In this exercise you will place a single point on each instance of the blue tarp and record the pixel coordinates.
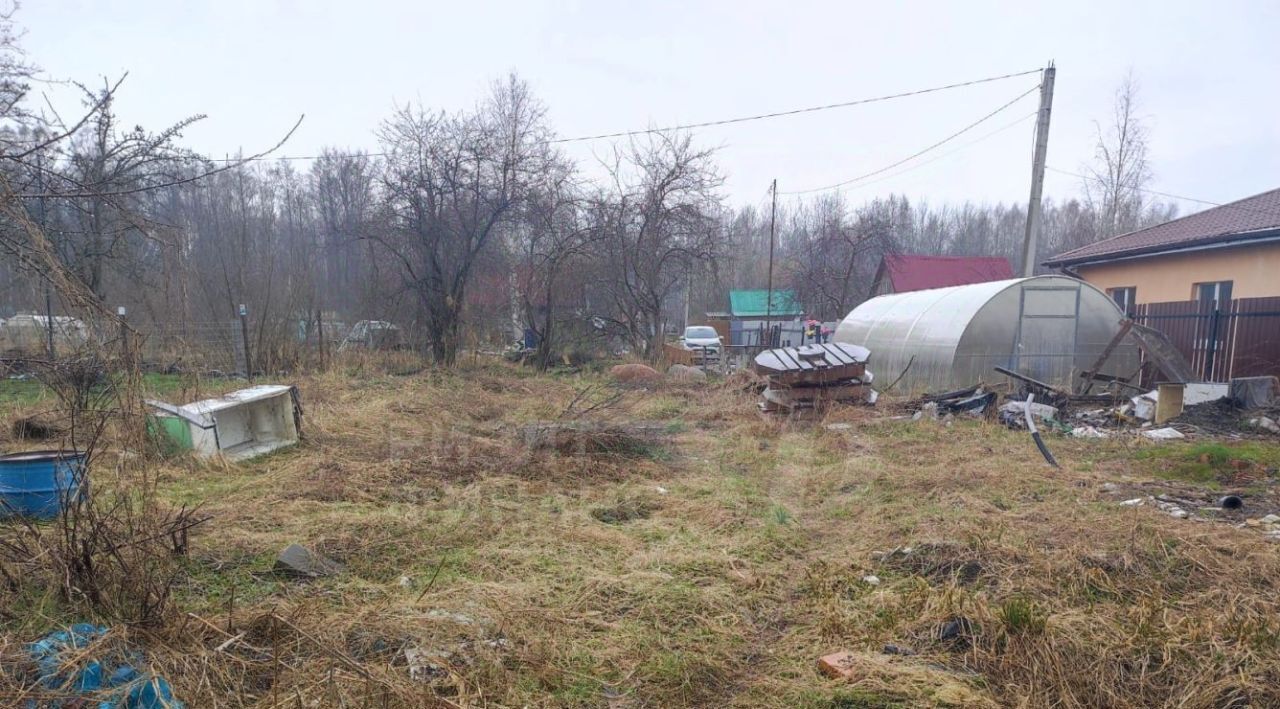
(133, 689)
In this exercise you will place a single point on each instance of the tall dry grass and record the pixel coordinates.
(710, 571)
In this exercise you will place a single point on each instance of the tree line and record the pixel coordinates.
(467, 228)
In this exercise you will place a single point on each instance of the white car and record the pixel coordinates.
(703, 341)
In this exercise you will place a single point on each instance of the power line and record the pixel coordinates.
(793, 112)
(1269, 212)
(1137, 189)
(705, 124)
(930, 148)
(949, 153)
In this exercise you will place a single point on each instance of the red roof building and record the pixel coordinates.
(900, 273)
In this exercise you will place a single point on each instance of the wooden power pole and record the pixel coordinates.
(1034, 216)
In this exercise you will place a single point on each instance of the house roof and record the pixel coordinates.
(1249, 218)
(912, 272)
(754, 303)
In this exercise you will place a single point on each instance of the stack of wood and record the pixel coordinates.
(812, 377)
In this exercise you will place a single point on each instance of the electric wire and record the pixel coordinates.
(949, 153)
(689, 126)
(1170, 195)
(923, 151)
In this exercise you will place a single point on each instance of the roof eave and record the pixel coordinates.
(1215, 242)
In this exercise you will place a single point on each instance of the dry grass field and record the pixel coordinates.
(709, 566)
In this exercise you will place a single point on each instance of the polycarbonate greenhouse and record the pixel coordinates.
(1047, 327)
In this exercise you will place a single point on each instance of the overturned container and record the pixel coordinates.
(240, 425)
(1050, 328)
(40, 484)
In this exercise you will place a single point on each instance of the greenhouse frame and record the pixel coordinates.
(1050, 328)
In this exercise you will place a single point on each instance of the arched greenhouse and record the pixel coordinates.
(1047, 327)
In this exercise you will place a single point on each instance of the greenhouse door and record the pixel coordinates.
(1045, 347)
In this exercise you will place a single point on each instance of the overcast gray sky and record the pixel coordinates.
(1209, 73)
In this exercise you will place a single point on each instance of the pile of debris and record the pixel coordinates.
(974, 401)
(808, 379)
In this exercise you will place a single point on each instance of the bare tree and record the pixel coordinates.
(660, 216)
(452, 182)
(104, 160)
(1120, 171)
(553, 238)
(831, 258)
(342, 188)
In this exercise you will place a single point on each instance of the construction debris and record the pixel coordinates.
(297, 560)
(813, 377)
(1254, 392)
(973, 401)
(838, 665)
(1035, 386)
(1169, 400)
(1265, 423)
(1013, 413)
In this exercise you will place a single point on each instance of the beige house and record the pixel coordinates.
(1231, 251)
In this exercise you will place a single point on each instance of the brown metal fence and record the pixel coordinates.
(1240, 338)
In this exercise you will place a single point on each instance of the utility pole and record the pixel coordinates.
(768, 301)
(687, 287)
(1037, 172)
(48, 280)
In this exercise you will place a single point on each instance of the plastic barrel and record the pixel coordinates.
(36, 484)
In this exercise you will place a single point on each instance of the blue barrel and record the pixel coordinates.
(37, 483)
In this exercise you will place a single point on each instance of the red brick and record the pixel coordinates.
(838, 665)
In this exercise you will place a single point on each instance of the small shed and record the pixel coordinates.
(759, 304)
(1047, 327)
(752, 312)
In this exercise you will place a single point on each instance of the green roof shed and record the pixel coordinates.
(755, 304)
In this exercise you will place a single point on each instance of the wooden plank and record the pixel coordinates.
(1032, 381)
(1090, 374)
(1161, 350)
(839, 354)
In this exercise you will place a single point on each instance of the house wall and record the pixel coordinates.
(1253, 269)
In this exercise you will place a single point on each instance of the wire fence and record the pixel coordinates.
(231, 346)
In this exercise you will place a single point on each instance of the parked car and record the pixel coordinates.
(703, 341)
(373, 335)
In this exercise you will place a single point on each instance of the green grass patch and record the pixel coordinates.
(1209, 463)
(20, 392)
(1022, 617)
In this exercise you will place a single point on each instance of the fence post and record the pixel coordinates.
(126, 354)
(244, 336)
(320, 334)
(1211, 346)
